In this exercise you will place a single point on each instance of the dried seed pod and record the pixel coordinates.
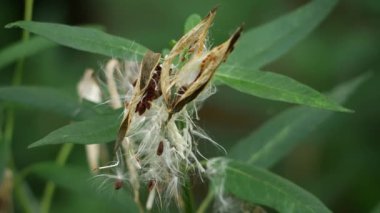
(148, 65)
(195, 39)
(207, 69)
(184, 73)
(138, 102)
(122, 132)
(151, 92)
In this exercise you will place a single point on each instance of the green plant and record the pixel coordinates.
(241, 176)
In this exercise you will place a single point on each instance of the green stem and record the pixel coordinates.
(28, 13)
(206, 202)
(187, 196)
(64, 153)
(8, 132)
(50, 186)
(22, 197)
(20, 190)
(9, 120)
(17, 76)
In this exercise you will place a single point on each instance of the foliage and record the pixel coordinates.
(246, 175)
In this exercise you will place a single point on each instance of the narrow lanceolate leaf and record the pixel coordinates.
(86, 39)
(79, 181)
(23, 49)
(274, 86)
(268, 42)
(43, 98)
(101, 129)
(281, 134)
(262, 187)
(191, 22)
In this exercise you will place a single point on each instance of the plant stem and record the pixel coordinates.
(206, 202)
(28, 13)
(21, 195)
(9, 115)
(8, 133)
(187, 196)
(50, 186)
(17, 75)
(64, 153)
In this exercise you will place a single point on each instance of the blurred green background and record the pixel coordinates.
(339, 163)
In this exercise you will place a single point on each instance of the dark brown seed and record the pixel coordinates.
(152, 92)
(118, 184)
(160, 148)
(151, 184)
(181, 91)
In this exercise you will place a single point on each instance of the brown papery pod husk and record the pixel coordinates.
(148, 64)
(208, 67)
(195, 37)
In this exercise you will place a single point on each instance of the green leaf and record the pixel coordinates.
(23, 49)
(376, 209)
(274, 87)
(86, 39)
(262, 187)
(43, 98)
(266, 43)
(191, 22)
(80, 181)
(101, 129)
(278, 136)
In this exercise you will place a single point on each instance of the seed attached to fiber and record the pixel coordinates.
(160, 148)
(118, 184)
(151, 185)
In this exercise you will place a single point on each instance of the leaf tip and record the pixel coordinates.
(34, 145)
(339, 108)
(346, 110)
(343, 109)
(10, 25)
(16, 24)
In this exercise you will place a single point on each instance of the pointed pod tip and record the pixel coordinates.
(212, 12)
(215, 8)
(235, 36)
